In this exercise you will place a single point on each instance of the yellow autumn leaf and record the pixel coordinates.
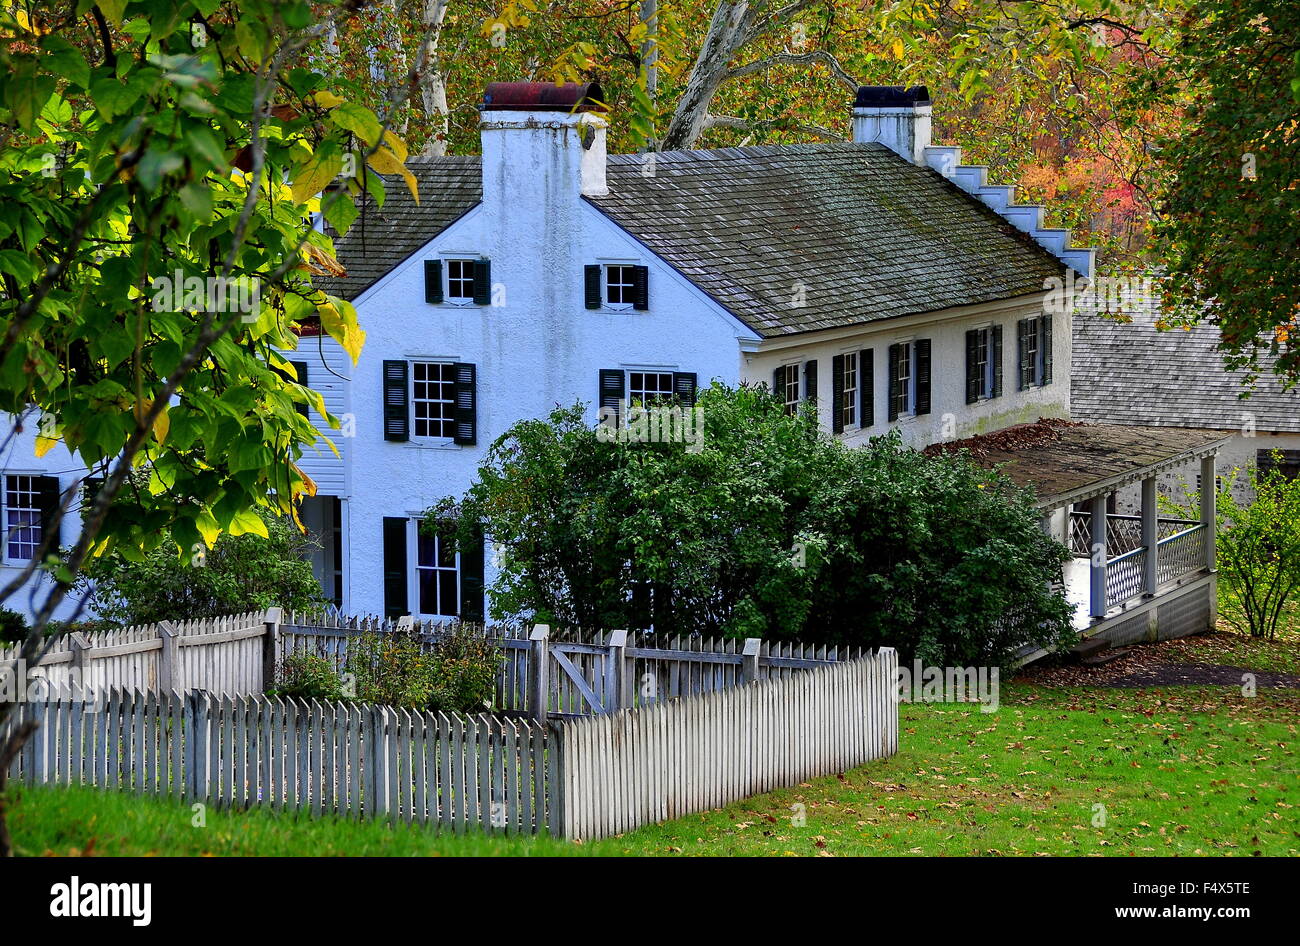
(308, 484)
(162, 426)
(327, 99)
(207, 525)
(340, 323)
(313, 176)
(45, 444)
(390, 158)
(898, 49)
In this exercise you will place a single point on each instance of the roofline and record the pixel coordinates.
(770, 343)
(1112, 483)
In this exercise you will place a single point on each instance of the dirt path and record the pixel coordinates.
(1149, 665)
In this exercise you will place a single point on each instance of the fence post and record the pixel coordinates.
(198, 757)
(167, 657)
(616, 673)
(81, 647)
(749, 663)
(270, 648)
(539, 659)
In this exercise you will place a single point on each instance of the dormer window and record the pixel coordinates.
(616, 286)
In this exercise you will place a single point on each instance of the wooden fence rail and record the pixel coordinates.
(586, 778)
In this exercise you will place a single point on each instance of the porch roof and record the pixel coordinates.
(1067, 462)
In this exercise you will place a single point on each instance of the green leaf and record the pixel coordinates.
(361, 121)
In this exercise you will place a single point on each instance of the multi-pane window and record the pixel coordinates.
(22, 518)
(983, 363)
(620, 285)
(1033, 366)
(460, 280)
(437, 574)
(902, 387)
(1034, 337)
(849, 390)
(787, 384)
(433, 398)
(649, 387)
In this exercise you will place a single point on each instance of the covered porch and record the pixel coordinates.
(1144, 577)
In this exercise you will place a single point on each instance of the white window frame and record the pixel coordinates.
(627, 289)
(11, 528)
(1036, 361)
(849, 413)
(793, 379)
(984, 340)
(907, 383)
(414, 568)
(660, 396)
(413, 400)
(463, 261)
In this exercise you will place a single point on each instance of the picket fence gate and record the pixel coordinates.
(581, 778)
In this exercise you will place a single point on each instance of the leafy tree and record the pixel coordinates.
(146, 140)
(1228, 177)
(769, 529)
(241, 573)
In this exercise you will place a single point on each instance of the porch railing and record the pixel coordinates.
(1123, 532)
(1180, 554)
(1124, 577)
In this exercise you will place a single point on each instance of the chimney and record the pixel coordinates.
(542, 140)
(896, 117)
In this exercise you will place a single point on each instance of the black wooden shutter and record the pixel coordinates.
(611, 389)
(684, 386)
(47, 501)
(591, 286)
(1023, 329)
(974, 383)
(1045, 344)
(395, 566)
(300, 367)
(483, 282)
(922, 347)
(894, 363)
(995, 344)
(641, 288)
(837, 393)
(471, 577)
(778, 383)
(433, 280)
(866, 388)
(466, 407)
(810, 381)
(397, 410)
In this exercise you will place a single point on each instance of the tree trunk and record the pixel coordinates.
(433, 86)
(728, 31)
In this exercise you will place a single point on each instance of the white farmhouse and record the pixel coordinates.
(881, 278)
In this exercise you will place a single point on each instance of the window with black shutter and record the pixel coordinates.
(1045, 345)
(611, 391)
(922, 348)
(395, 566)
(810, 381)
(974, 367)
(640, 288)
(900, 380)
(433, 281)
(397, 410)
(995, 345)
(983, 363)
(591, 286)
(482, 282)
(1027, 353)
(466, 404)
(471, 578)
(684, 387)
(867, 388)
(837, 393)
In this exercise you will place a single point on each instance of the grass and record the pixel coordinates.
(85, 821)
(1085, 770)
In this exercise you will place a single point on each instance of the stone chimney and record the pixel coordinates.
(896, 117)
(542, 140)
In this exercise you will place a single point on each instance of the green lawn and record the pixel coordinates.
(1176, 770)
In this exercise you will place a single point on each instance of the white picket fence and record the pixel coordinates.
(224, 655)
(585, 778)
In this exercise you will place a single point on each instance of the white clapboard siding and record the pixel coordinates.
(640, 766)
(329, 371)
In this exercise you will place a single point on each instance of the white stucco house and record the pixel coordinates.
(881, 278)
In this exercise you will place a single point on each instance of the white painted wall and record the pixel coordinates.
(950, 417)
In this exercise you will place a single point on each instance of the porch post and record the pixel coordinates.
(1209, 489)
(1150, 534)
(1097, 561)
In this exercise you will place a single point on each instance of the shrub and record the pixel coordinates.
(453, 674)
(307, 677)
(13, 626)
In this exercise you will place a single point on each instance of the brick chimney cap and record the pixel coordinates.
(891, 96)
(543, 97)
